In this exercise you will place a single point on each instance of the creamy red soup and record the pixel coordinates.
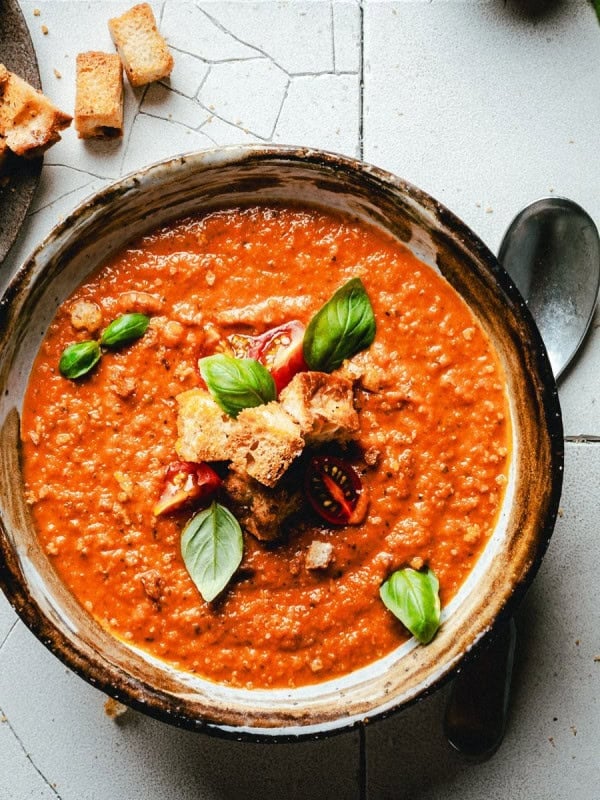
(431, 451)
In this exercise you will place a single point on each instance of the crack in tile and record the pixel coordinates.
(10, 630)
(127, 137)
(143, 113)
(238, 59)
(204, 79)
(211, 61)
(227, 32)
(227, 122)
(332, 21)
(62, 196)
(6, 721)
(195, 55)
(81, 171)
(283, 99)
(208, 136)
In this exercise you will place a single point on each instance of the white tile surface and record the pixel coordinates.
(297, 36)
(487, 106)
(551, 747)
(88, 756)
(19, 779)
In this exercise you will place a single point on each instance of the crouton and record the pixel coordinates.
(319, 555)
(99, 95)
(29, 122)
(205, 432)
(323, 406)
(259, 510)
(142, 49)
(265, 441)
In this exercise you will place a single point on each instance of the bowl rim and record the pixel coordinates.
(123, 689)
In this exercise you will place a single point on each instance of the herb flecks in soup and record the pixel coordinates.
(396, 458)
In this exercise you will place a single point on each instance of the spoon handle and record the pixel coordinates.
(476, 713)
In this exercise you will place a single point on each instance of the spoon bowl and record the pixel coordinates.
(552, 252)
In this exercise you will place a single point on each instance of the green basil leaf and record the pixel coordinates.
(414, 598)
(78, 359)
(125, 329)
(212, 547)
(343, 327)
(237, 383)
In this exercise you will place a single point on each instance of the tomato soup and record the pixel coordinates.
(431, 450)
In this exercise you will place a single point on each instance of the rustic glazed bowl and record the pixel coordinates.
(238, 175)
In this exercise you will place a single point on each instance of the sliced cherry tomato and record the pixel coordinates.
(334, 489)
(186, 482)
(278, 349)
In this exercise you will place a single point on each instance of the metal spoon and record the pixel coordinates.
(552, 252)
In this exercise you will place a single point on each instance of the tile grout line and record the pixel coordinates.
(361, 80)
(362, 743)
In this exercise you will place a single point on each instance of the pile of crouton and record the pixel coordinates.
(30, 123)
(262, 443)
(141, 52)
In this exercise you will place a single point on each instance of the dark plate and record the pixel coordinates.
(17, 53)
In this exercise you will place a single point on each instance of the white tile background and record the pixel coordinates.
(488, 106)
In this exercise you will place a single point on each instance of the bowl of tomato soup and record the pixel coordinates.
(280, 442)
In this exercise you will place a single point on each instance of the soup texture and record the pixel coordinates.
(428, 440)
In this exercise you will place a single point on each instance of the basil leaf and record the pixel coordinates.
(414, 598)
(237, 383)
(78, 359)
(125, 329)
(212, 546)
(343, 327)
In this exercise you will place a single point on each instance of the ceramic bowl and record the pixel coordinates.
(225, 177)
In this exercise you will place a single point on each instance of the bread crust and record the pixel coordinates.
(265, 441)
(142, 49)
(323, 406)
(205, 432)
(99, 95)
(29, 122)
(261, 511)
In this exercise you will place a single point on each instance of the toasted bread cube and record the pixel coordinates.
(265, 441)
(143, 51)
(319, 555)
(323, 406)
(259, 510)
(29, 122)
(205, 432)
(99, 95)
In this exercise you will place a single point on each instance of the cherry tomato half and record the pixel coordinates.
(335, 491)
(186, 482)
(278, 349)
